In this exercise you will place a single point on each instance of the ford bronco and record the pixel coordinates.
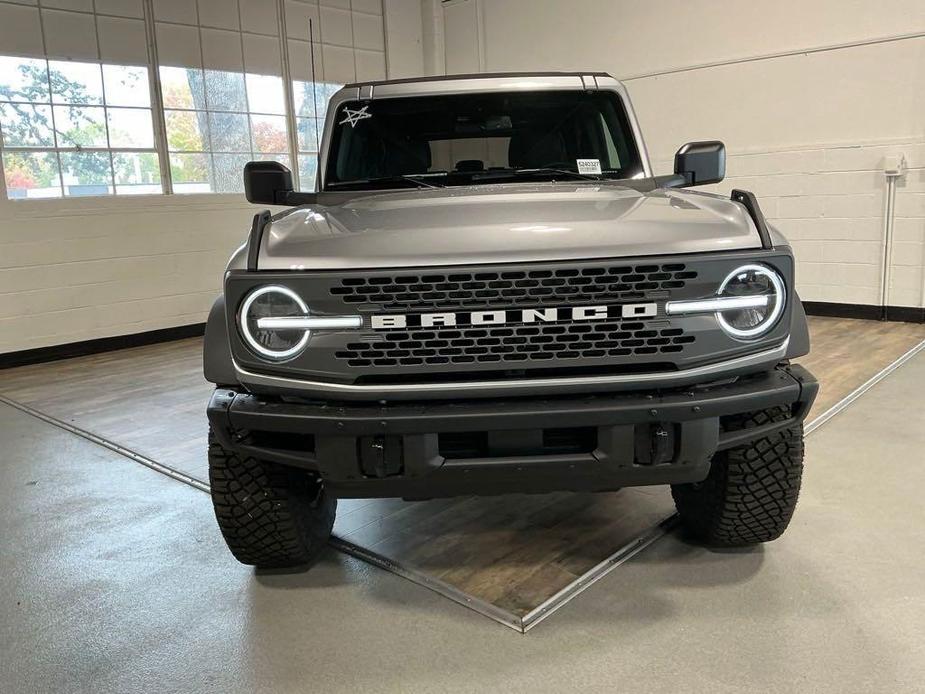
(490, 291)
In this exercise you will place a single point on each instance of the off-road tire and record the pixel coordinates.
(751, 491)
(271, 516)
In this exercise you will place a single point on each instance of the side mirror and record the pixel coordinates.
(700, 163)
(267, 182)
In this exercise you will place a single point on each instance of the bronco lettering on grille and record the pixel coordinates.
(501, 317)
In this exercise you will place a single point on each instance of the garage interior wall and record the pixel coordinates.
(812, 99)
(75, 269)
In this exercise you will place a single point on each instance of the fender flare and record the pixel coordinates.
(217, 366)
(799, 330)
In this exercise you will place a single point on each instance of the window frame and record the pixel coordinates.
(321, 97)
(56, 150)
(296, 156)
(208, 138)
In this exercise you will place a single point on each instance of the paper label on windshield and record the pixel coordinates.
(589, 166)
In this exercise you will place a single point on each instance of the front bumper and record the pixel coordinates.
(430, 449)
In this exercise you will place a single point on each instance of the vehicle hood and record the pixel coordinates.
(506, 223)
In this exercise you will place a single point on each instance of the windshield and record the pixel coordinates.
(465, 139)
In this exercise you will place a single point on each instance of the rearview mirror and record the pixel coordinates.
(700, 163)
(267, 182)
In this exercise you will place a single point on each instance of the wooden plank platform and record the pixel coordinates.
(151, 399)
(514, 551)
(847, 352)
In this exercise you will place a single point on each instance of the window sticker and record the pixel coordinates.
(589, 166)
(353, 117)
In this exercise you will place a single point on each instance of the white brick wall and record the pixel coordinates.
(84, 269)
(830, 203)
(833, 212)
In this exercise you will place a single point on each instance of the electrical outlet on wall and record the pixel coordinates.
(894, 164)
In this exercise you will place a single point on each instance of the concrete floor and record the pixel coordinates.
(113, 578)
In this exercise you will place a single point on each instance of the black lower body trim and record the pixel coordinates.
(429, 449)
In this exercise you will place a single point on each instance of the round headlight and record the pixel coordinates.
(273, 302)
(751, 282)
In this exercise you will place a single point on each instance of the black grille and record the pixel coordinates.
(510, 288)
(522, 345)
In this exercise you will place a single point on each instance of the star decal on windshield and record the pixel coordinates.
(353, 117)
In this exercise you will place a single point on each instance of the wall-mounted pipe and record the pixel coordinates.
(894, 167)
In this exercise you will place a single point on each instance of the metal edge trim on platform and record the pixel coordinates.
(596, 573)
(861, 389)
(483, 607)
(112, 446)
(487, 609)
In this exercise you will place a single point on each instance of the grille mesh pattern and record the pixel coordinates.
(515, 344)
(510, 288)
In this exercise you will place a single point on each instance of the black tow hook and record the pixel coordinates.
(380, 455)
(654, 444)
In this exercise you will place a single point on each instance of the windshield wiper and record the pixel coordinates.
(402, 178)
(494, 174)
(544, 170)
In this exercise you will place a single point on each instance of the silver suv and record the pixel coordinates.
(491, 291)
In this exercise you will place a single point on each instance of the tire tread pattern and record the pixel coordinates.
(270, 516)
(751, 492)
